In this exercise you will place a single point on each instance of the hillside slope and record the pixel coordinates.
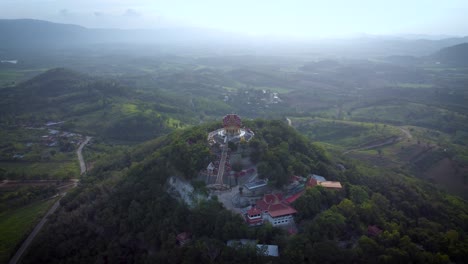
(123, 214)
(455, 55)
(90, 105)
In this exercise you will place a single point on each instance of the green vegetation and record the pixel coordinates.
(345, 134)
(386, 121)
(130, 205)
(16, 224)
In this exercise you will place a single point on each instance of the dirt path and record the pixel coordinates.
(386, 142)
(406, 132)
(80, 155)
(390, 141)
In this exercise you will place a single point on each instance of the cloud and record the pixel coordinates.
(64, 12)
(98, 14)
(131, 13)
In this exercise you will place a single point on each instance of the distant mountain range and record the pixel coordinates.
(29, 34)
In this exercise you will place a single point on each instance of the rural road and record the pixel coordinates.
(33, 234)
(80, 155)
(289, 121)
(39, 226)
(387, 142)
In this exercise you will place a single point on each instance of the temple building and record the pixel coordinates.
(232, 131)
(232, 125)
(275, 210)
(272, 208)
(254, 217)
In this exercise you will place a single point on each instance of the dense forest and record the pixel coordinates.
(121, 212)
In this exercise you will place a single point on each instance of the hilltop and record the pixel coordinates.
(455, 55)
(122, 211)
(96, 106)
(26, 35)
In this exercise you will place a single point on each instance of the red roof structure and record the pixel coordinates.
(294, 197)
(373, 230)
(274, 205)
(254, 216)
(183, 238)
(232, 120)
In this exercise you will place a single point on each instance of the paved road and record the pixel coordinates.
(33, 234)
(80, 156)
(39, 226)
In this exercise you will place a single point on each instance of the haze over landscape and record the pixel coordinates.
(233, 131)
(299, 18)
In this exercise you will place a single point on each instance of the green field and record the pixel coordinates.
(16, 224)
(53, 170)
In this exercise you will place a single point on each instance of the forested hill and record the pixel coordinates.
(96, 106)
(455, 55)
(121, 213)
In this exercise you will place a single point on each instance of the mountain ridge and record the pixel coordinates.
(24, 34)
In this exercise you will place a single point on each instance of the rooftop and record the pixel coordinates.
(268, 250)
(331, 184)
(255, 184)
(274, 205)
(319, 178)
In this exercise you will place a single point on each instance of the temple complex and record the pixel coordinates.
(232, 131)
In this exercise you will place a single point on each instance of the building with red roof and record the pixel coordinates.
(275, 210)
(184, 238)
(254, 216)
(232, 124)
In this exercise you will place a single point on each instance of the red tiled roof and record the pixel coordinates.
(286, 210)
(274, 205)
(232, 120)
(294, 197)
(254, 211)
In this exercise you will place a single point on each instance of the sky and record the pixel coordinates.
(306, 18)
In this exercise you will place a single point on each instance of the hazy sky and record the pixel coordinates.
(271, 17)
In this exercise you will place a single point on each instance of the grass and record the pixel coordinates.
(413, 114)
(345, 134)
(16, 224)
(54, 170)
(129, 108)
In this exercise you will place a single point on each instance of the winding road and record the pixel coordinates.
(80, 155)
(386, 142)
